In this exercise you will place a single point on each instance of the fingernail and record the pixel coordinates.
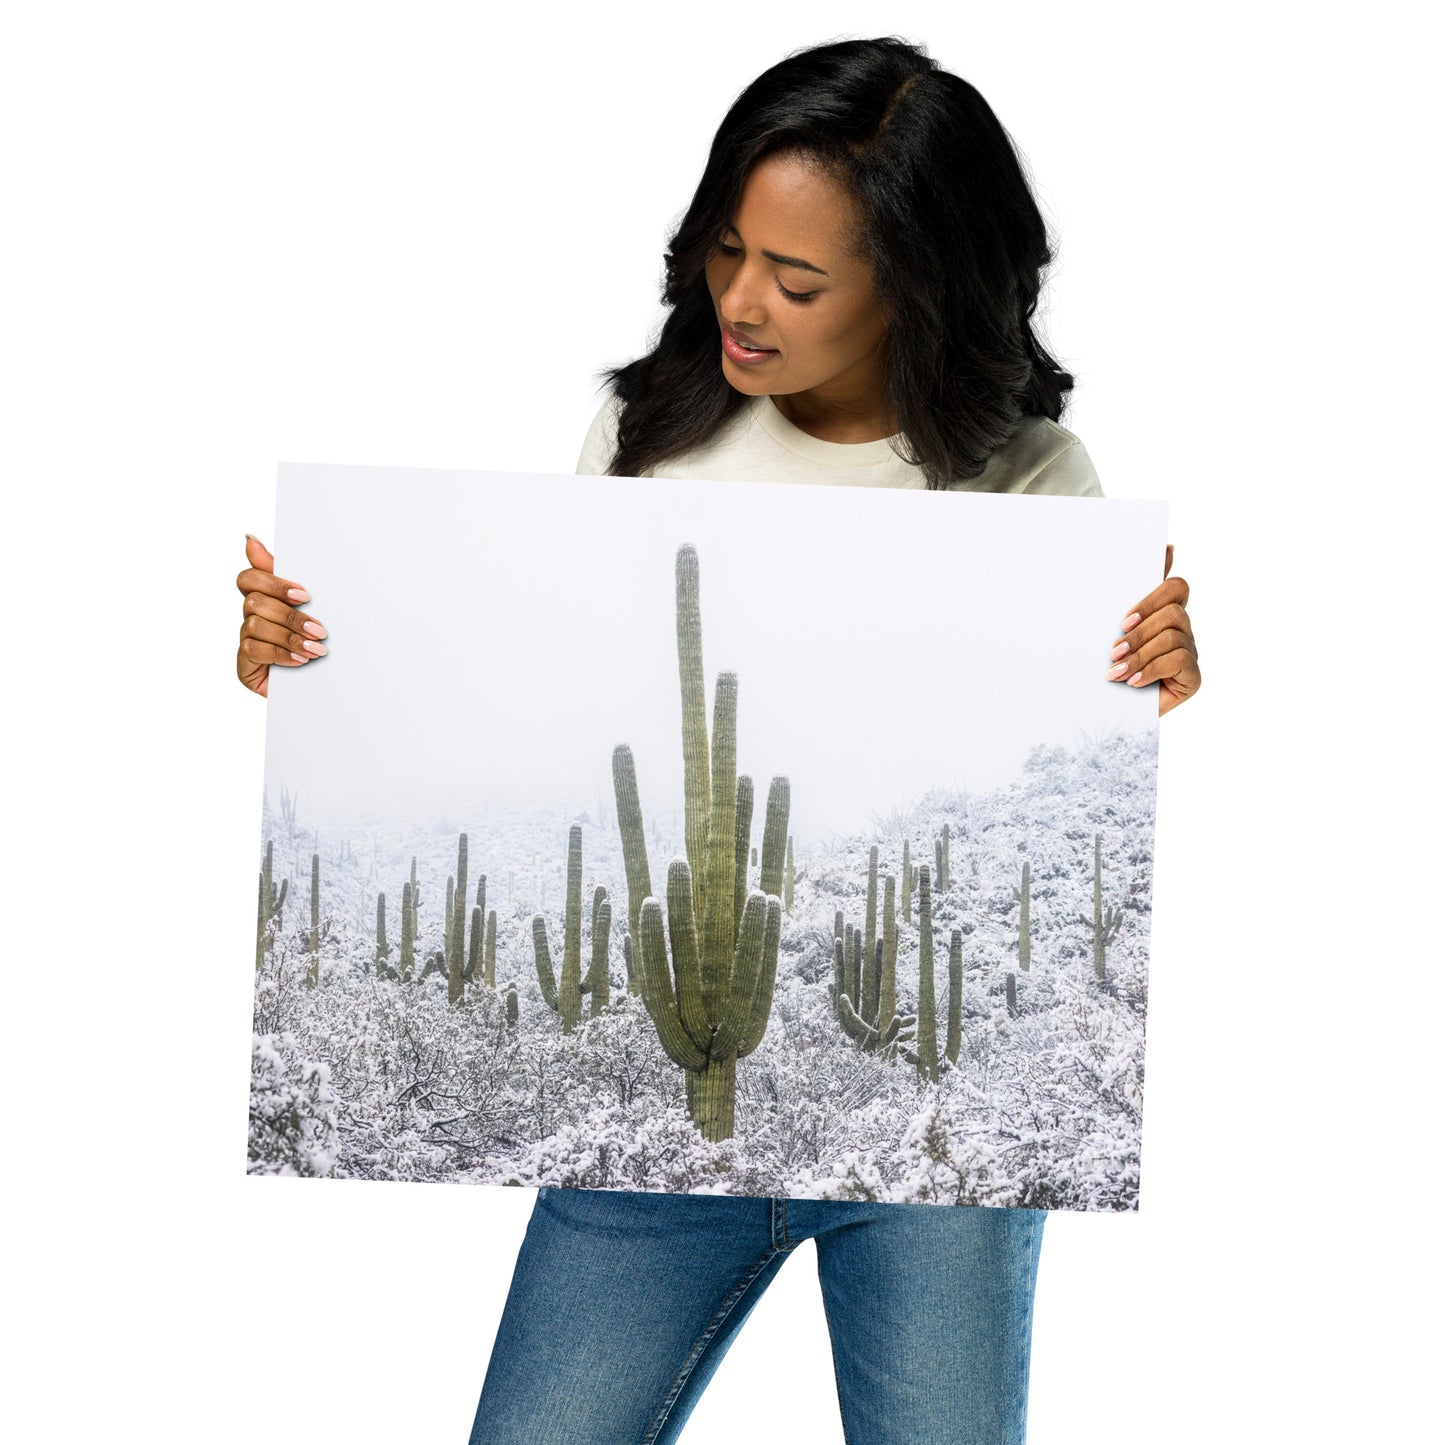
(1120, 650)
(300, 657)
(298, 594)
(1130, 620)
(249, 537)
(316, 649)
(1117, 671)
(314, 628)
(1134, 681)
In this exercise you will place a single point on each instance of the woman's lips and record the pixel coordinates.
(737, 350)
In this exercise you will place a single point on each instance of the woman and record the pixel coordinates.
(849, 298)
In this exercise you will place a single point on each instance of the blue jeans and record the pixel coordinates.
(622, 1305)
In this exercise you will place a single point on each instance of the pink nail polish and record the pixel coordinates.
(298, 594)
(1117, 671)
(1134, 681)
(1130, 620)
(314, 628)
(1120, 651)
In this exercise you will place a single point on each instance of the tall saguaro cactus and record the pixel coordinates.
(707, 978)
(456, 941)
(1106, 922)
(955, 996)
(1021, 895)
(907, 885)
(789, 878)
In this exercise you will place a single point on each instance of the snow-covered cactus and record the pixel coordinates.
(313, 951)
(383, 949)
(955, 996)
(870, 935)
(456, 945)
(407, 962)
(722, 959)
(268, 907)
(597, 983)
(925, 1050)
(874, 1023)
(491, 951)
(907, 885)
(1106, 922)
(1011, 994)
(476, 943)
(789, 878)
(1021, 896)
(564, 994)
(513, 1009)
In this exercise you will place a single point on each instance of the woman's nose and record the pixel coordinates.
(741, 303)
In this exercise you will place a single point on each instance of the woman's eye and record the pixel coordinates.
(796, 295)
(729, 250)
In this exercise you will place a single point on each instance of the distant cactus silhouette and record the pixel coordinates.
(268, 908)
(1106, 922)
(1021, 896)
(564, 993)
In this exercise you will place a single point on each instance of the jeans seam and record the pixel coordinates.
(687, 1366)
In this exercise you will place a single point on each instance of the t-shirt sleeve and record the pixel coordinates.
(600, 444)
(1070, 474)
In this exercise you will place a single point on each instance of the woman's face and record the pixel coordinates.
(791, 234)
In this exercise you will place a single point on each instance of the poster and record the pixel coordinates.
(712, 837)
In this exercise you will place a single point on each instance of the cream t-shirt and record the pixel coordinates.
(759, 444)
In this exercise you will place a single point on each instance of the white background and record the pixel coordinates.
(408, 235)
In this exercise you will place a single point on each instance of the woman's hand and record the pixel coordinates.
(272, 630)
(1158, 643)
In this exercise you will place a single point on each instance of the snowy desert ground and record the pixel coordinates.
(377, 1078)
(878, 686)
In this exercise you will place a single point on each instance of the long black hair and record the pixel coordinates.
(950, 228)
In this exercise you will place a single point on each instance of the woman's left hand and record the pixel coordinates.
(1157, 643)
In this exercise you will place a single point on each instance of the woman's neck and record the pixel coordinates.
(839, 419)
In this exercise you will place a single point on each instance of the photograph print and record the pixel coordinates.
(714, 837)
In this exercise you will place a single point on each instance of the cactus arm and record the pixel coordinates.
(718, 932)
(695, 768)
(862, 1033)
(634, 838)
(657, 990)
(737, 1020)
(682, 928)
(492, 950)
(767, 979)
(546, 977)
(598, 983)
(775, 837)
(926, 1040)
(743, 827)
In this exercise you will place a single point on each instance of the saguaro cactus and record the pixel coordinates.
(1021, 894)
(1106, 922)
(313, 952)
(707, 980)
(407, 961)
(955, 996)
(564, 994)
(789, 878)
(383, 949)
(457, 928)
(268, 907)
(925, 1051)
(491, 951)
(907, 885)
(476, 953)
(867, 1008)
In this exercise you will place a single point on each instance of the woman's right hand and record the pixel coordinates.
(272, 630)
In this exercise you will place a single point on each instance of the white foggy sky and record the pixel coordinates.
(493, 635)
